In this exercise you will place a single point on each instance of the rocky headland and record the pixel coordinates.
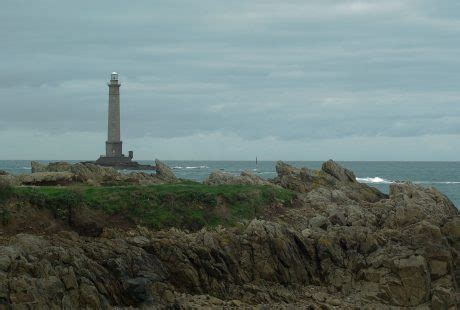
(84, 236)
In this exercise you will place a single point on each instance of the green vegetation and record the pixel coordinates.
(6, 191)
(190, 206)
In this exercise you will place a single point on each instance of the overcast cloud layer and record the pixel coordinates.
(211, 79)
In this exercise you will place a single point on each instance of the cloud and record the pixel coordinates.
(256, 71)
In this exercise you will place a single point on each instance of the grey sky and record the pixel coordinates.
(211, 79)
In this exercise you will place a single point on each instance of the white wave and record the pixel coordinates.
(375, 180)
(436, 182)
(190, 167)
(378, 180)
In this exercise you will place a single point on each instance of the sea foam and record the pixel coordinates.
(377, 180)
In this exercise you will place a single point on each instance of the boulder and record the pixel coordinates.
(3, 172)
(164, 172)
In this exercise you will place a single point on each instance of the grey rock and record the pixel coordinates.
(334, 183)
(9, 180)
(47, 178)
(414, 203)
(37, 167)
(338, 172)
(319, 221)
(340, 245)
(164, 172)
(93, 174)
(60, 166)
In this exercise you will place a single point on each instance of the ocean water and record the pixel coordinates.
(445, 176)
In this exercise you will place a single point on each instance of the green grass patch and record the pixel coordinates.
(191, 206)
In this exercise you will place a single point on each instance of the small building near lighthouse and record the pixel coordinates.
(114, 156)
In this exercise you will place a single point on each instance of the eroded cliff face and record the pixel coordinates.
(338, 244)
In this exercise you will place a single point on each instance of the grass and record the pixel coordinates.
(189, 206)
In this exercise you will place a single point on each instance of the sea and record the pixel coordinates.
(445, 176)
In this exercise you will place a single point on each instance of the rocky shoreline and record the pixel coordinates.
(336, 244)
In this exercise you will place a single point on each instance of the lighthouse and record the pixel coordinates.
(114, 156)
(113, 145)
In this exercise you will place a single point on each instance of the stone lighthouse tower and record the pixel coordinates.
(113, 146)
(114, 156)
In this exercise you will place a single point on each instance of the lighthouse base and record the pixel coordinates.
(122, 163)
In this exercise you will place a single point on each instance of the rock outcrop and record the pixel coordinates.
(219, 177)
(331, 182)
(164, 172)
(63, 173)
(89, 173)
(338, 172)
(338, 244)
(10, 180)
(37, 167)
(47, 178)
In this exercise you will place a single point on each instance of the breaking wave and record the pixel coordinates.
(190, 167)
(378, 180)
(436, 182)
(15, 168)
(375, 180)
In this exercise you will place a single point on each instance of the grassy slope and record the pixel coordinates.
(189, 206)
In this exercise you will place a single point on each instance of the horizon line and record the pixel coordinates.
(247, 160)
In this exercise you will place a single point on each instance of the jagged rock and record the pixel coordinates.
(451, 230)
(414, 203)
(341, 244)
(59, 166)
(63, 173)
(333, 183)
(224, 178)
(338, 172)
(414, 286)
(3, 172)
(47, 178)
(164, 172)
(93, 174)
(284, 169)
